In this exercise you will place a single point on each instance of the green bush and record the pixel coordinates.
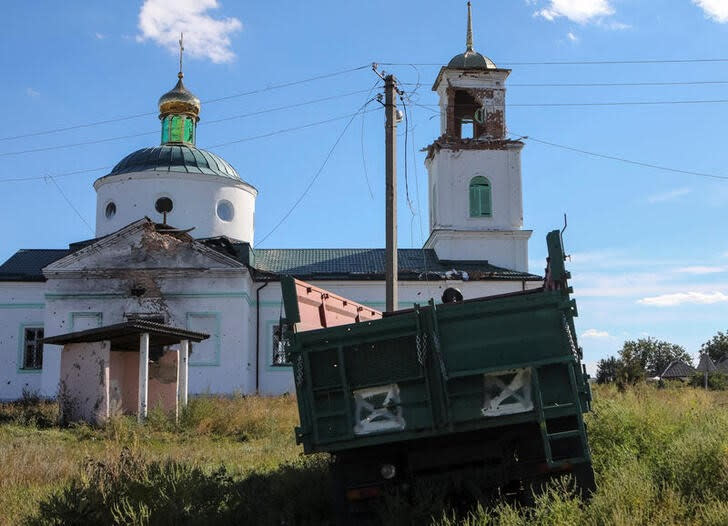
(130, 490)
(716, 381)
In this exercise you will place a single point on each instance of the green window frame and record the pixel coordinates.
(481, 202)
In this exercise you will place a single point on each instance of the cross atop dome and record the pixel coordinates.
(471, 59)
(179, 110)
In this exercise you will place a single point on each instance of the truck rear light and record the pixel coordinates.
(363, 493)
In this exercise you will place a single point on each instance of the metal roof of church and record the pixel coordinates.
(26, 264)
(180, 158)
(369, 263)
(313, 263)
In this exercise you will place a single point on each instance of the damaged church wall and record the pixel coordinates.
(151, 274)
(21, 305)
(84, 377)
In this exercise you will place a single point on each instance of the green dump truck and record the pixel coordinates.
(490, 389)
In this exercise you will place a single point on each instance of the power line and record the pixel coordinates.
(58, 175)
(628, 161)
(68, 201)
(286, 130)
(575, 62)
(210, 101)
(609, 103)
(317, 174)
(244, 139)
(603, 84)
(216, 121)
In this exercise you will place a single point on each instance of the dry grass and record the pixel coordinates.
(661, 457)
(245, 434)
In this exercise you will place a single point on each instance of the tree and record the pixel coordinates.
(649, 356)
(716, 347)
(608, 370)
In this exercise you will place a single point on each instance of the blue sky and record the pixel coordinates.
(649, 247)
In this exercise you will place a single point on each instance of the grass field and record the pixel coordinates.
(660, 456)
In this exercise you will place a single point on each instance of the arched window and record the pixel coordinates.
(481, 204)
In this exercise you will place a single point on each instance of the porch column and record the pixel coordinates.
(143, 376)
(183, 365)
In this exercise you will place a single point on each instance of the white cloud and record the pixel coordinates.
(595, 334)
(571, 36)
(715, 9)
(701, 269)
(668, 196)
(204, 36)
(580, 11)
(679, 298)
(99, 36)
(30, 92)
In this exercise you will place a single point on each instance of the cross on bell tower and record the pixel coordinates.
(476, 204)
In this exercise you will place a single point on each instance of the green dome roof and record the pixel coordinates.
(178, 158)
(471, 60)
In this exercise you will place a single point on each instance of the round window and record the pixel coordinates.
(110, 210)
(163, 205)
(225, 210)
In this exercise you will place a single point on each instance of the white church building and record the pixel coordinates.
(175, 244)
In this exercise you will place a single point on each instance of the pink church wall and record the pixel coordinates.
(84, 381)
(163, 383)
(99, 383)
(124, 382)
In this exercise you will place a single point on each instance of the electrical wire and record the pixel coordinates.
(209, 101)
(602, 84)
(58, 175)
(577, 62)
(317, 174)
(216, 121)
(406, 177)
(627, 161)
(611, 103)
(244, 139)
(363, 156)
(68, 201)
(286, 130)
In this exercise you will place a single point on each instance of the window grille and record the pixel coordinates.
(280, 356)
(33, 348)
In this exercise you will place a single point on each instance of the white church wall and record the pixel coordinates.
(217, 305)
(450, 174)
(507, 249)
(195, 198)
(21, 305)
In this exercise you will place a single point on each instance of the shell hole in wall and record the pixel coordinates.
(110, 210)
(225, 210)
(163, 205)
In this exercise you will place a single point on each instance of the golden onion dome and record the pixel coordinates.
(179, 100)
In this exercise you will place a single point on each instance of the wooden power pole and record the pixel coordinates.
(390, 109)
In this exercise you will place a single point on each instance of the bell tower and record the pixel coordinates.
(474, 170)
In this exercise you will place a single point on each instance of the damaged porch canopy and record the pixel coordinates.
(123, 368)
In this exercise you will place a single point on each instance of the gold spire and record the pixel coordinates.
(468, 37)
(181, 50)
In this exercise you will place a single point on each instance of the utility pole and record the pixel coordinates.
(390, 109)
